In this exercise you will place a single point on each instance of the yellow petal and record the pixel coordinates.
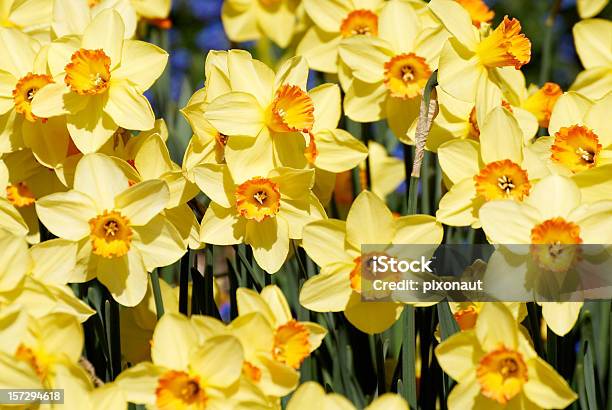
(554, 196)
(106, 32)
(53, 260)
(595, 183)
(372, 317)
(247, 157)
(91, 127)
(250, 76)
(515, 230)
(369, 221)
(456, 20)
(141, 202)
(399, 25)
(125, 277)
(222, 226)
(590, 8)
(338, 150)
(501, 137)
(174, 340)
(56, 99)
(293, 72)
(545, 387)
(250, 301)
(330, 290)
(594, 82)
(128, 108)
(216, 182)
(324, 241)
(458, 353)
(70, 17)
(460, 205)
(366, 57)
(270, 242)
(141, 63)
(570, 109)
(98, 176)
(18, 51)
(388, 401)
(594, 221)
(495, 326)
(293, 183)
(561, 316)
(327, 14)
(278, 23)
(275, 299)
(417, 229)
(459, 159)
(320, 49)
(66, 214)
(236, 113)
(159, 243)
(459, 71)
(326, 100)
(309, 395)
(218, 361)
(365, 102)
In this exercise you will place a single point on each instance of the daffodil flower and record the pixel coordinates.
(475, 63)
(99, 82)
(334, 21)
(263, 212)
(541, 102)
(248, 20)
(478, 10)
(467, 313)
(590, 8)
(390, 71)
(72, 17)
(33, 17)
(486, 171)
(552, 214)
(120, 232)
(335, 246)
(592, 41)
(188, 370)
(495, 365)
(311, 395)
(386, 171)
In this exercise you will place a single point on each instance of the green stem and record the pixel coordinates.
(408, 357)
(159, 302)
(548, 42)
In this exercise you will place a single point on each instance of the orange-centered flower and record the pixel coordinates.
(502, 180)
(576, 147)
(479, 11)
(258, 199)
(111, 234)
(179, 390)
(501, 374)
(554, 244)
(466, 318)
(20, 195)
(406, 75)
(542, 102)
(359, 22)
(24, 92)
(35, 360)
(291, 111)
(505, 46)
(291, 345)
(88, 72)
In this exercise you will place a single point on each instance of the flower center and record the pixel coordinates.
(251, 371)
(576, 147)
(501, 374)
(291, 111)
(542, 102)
(406, 75)
(466, 318)
(20, 195)
(505, 46)
(111, 234)
(24, 92)
(359, 22)
(88, 72)
(474, 132)
(479, 11)
(291, 345)
(179, 390)
(258, 199)
(502, 180)
(554, 244)
(36, 361)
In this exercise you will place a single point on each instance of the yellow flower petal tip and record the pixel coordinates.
(24, 92)
(360, 22)
(506, 46)
(111, 234)
(502, 374)
(88, 72)
(576, 147)
(406, 75)
(179, 390)
(258, 199)
(502, 180)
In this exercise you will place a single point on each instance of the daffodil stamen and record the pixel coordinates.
(505, 46)
(291, 345)
(479, 11)
(20, 195)
(179, 390)
(406, 75)
(501, 374)
(111, 234)
(258, 199)
(502, 180)
(24, 92)
(576, 147)
(36, 361)
(360, 22)
(291, 111)
(554, 244)
(88, 72)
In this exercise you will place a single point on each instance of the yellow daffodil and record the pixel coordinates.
(119, 229)
(43, 354)
(390, 71)
(541, 102)
(334, 21)
(495, 365)
(188, 370)
(311, 395)
(475, 63)
(25, 181)
(467, 313)
(485, 171)
(269, 119)
(72, 17)
(247, 20)
(479, 11)
(590, 8)
(335, 246)
(552, 214)
(100, 81)
(33, 17)
(387, 172)
(593, 45)
(263, 212)
(294, 340)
